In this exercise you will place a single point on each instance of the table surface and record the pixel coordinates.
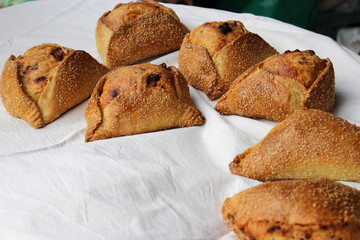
(162, 185)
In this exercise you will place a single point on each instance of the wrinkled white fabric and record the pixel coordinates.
(162, 185)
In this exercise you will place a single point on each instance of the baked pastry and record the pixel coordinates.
(46, 81)
(135, 31)
(215, 53)
(304, 209)
(308, 144)
(281, 84)
(137, 99)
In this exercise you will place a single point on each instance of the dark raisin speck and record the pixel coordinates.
(114, 93)
(225, 28)
(230, 216)
(164, 66)
(152, 79)
(273, 229)
(29, 68)
(307, 235)
(58, 54)
(40, 79)
(234, 24)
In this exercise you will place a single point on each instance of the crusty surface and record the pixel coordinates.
(306, 209)
(137, 99)
(215, 53)
(36, 66)
(136, 31)
(303, 67)
(308, 144)
(280, 85)
(213, 36)
(129, 12)
(47, 81)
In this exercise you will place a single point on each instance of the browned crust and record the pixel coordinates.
(321, 209)
(137, 112)
(321, 94)
(308, 144)
(70, 84)
(261, 94)
(238, 56)
(215, 75)
(15, 101)
(198, 68)
(103, 36)
(152, 34)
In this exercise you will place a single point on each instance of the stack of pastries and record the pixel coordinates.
(309, 146)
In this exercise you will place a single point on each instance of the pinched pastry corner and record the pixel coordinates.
(46, 81)
(135, 31)
(137, 99)
(280, 85)
(214, 54)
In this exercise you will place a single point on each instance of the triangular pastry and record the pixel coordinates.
(303, 209)
(46, 81)
(308, 144)
(281, 84)
(137, 99)
(214, 54)
(135, 31)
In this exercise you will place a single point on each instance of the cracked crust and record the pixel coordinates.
(280, 85)
(318, 210)
(137, 31)
(47, 81)
(308, 144)
(138, 99)
(215, 53)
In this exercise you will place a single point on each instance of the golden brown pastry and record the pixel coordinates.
(137, 99)
(297, 210)
(46, 81)
(136, 31)
(308, 144)
(281, 84)
(215, 53)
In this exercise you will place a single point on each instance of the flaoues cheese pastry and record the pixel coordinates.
(137, 99)
(308, 144)
(135, 31)
(306, 209)
(46, 81)
(214, 54)
(280, 85)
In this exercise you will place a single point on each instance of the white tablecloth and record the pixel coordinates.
(163, 185)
